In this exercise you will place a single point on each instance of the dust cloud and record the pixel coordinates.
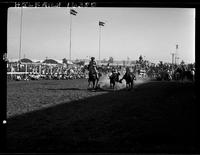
(104, 82)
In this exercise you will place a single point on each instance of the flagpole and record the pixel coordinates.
(20, 34)
(20, 40)
(70, 37)
(99, 41)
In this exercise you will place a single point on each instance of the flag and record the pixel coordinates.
(73, 12)
(101, 23)
(176, 46)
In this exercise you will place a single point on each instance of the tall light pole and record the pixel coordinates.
(176, 55)
(72, 12)
(99, 41)
(20, 33)
(172, 58)
(20, 37)
(100, 24)
(70, 27)
(173, 61)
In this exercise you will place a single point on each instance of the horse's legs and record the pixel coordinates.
(93, 84)
(88, 84)
(97, 83)
(111, 85)
(131, 84)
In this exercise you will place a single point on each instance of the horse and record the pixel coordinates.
(178, 74)
(189, 75)
(182, 73)
(114, 78)
(93, 78)
(165, 75)
(128, 77)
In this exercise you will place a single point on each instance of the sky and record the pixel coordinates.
(128, 32)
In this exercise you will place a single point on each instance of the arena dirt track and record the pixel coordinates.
(63, 116)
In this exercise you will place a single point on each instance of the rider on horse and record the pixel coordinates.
(129, 77)
(114, 72)
(93, 66)
(114, 77)
(127, 72)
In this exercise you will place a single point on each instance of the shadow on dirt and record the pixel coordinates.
(67, 89)
(106, 89)
(159, 117)
(87, 89)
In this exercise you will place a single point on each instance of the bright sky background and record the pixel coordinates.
(128, 32)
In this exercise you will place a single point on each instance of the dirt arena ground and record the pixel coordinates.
(63, 116)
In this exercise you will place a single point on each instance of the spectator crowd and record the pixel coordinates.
(142, 69)
(44, 72)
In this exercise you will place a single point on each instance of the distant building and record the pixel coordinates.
(25, 60)
(50, 61)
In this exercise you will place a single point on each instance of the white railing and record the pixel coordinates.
(18, 72)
